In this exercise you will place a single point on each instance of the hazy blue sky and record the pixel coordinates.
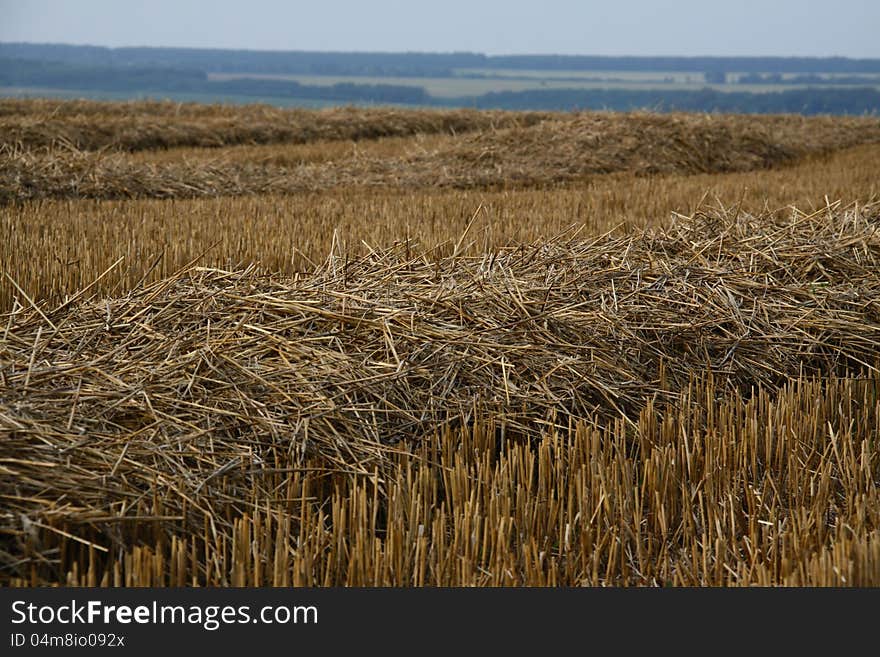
(612, 27)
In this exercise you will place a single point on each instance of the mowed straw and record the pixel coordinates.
(527, 151)
(146, 125)
(199, 373)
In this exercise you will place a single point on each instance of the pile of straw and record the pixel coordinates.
(181, 382)
(532, 154)
(143, 125)
(647, 143)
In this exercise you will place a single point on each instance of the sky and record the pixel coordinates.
(611, 27)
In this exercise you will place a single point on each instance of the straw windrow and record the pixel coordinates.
(517, 151)
(209, 375)
(146, 125)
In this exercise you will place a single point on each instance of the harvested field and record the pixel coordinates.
(544, 153)
(247, 346)
(55, 248)
(642, 143)
(578, 364)
(141, 125)
(778, 490)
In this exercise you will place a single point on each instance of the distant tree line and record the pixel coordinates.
(28, 73)
(415, 64)
(24, 73)
(251, 61)
(159, 80)
(687, 64)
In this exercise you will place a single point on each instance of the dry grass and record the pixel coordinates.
(778, 490)
(54, 248)
(139, 125)
(545, 153)
(527, 416)
(453, 396)
(288, 156)
(642, 143)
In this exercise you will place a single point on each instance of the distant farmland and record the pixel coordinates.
(470, 83)
(311, 79)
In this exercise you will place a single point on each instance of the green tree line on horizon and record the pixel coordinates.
(156, 81)
(415, 64)
(141, 79)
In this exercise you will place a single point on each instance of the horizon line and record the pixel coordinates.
(432, 52)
